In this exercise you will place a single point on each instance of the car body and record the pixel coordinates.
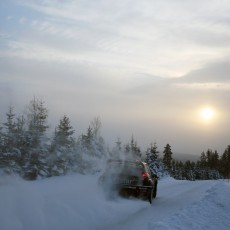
(129, 178)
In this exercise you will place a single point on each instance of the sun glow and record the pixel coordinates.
(207, 114)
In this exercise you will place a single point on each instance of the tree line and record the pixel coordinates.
(26, 149)
(210, 166)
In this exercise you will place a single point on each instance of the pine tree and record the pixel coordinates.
(203, 160)
(213, 161)
(127, 148)
(117, 152)
(173, 170)
(135, 149)
(167, 158)
(91, 147)
(10, 128)
(96, 127)
(189, 170)
(3, 162)
(132, 150)
(178, 170)
(37, 116)
(209, 165)
(62, 159)
(10, 153)
(225, 162)
(64, 132)
(152, 158)
(20, 131)
(34, 164)
(1, 139)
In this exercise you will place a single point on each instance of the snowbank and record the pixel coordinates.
(211, 213)
(76, 202)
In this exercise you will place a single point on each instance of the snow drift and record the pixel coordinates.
(76, 202)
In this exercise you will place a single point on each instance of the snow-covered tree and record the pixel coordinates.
(36, 141)
(2, 165)
(1, 139)
(132, 150)
(37, 119)
(9, 137)
(117, 153)
(63, 157)
(92, 148)
(152, 158)
(10, 154)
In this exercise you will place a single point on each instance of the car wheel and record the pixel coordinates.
(150, 195)
(155, 191)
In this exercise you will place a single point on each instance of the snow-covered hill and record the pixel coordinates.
(76, 202)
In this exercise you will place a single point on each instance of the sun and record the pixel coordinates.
(207, 114)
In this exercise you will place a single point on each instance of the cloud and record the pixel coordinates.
(23, 20)
(204, 86)
(213, 76)
(212, 72)
(165, 39)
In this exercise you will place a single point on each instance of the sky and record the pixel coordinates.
(146, 68)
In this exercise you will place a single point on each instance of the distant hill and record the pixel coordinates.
(183, 157)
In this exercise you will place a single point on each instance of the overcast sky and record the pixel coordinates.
(146, 68)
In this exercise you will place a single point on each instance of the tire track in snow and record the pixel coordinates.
(172, 196)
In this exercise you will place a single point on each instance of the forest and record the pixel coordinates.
(27, 150)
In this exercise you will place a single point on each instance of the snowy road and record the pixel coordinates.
(76, 202)
(172, 196)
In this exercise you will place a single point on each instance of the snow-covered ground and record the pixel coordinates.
(76, 202)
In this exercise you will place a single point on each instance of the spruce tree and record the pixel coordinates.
(189, 170)
(2, 163)
(167, 158)
(9, 138)
(10, 153)
(132, 150)
(117, 152)
(36, 141)
(37, 117)
(92, 149)
(152, 158)
(62, 159)
(178, 172)
(225, 162)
